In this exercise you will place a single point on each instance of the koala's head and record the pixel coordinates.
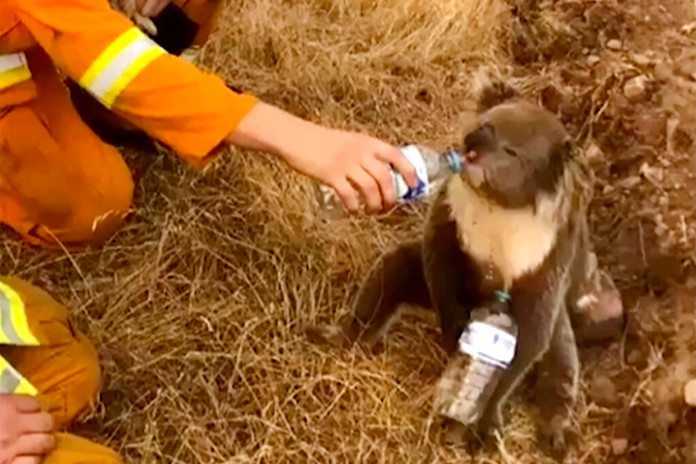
(516, 152)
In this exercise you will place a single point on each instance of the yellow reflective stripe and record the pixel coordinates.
(12, 382)
(14, 327)
(13, 69)
(119, 64)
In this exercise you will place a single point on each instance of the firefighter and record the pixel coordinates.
(62, 185)
(49, 376)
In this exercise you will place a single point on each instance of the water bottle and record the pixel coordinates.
(432, 168)
(486, 349)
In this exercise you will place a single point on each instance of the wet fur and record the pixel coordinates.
(474, 242)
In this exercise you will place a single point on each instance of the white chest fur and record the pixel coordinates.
(515, 241)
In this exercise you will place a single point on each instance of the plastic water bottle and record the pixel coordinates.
(432, 168)
(486, 349)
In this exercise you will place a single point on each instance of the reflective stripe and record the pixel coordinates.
(14, 327)
(119, 64)
(13, 69)
(12, 382)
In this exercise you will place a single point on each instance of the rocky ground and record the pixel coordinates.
(623, 77)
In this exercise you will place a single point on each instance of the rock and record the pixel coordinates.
(619, 446)
(650, 127)
(603, 392)
(594, 153)
(629, 182)
(690, 393)
(640, 59)
(635, 88)
(653, 174)
(663, 71)
(614, 44)
(592, 60)
(661, 230)
(634, 356)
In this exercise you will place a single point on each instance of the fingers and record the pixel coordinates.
(368, 187)
(25, 404)
(393, 155)
(153, 7)
(347, 194)
(381, 173)
(34, 444)
(37, 422)
(27, 460)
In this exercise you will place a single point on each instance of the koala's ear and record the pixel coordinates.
(547, 177)
(494, 93)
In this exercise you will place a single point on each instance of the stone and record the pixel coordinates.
(592, 60)
(614, 44)
(640, 59)
(635, 88)
(662, 71)
(690, 393)
(619, 446)
(593, 153)
(603, 392)
(629, 182)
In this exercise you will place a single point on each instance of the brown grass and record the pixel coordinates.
(197, 306)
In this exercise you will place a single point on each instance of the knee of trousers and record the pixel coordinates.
(92, 218)
(72, 449)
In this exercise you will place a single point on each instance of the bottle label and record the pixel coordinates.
(403, 191)
(489, 343)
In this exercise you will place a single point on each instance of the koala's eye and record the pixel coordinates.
(510, 151)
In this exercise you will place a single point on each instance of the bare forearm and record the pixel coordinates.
(273, 130)
(341, 159)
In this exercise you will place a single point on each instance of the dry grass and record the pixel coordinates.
(197, 306)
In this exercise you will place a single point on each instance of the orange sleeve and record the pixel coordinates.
(170, 99)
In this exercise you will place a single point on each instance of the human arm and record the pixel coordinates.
(193, 112)
(338, 158)
(25, 430)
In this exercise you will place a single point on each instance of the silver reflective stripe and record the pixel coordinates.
(6, 321)
(108, 78)
(118, 64)
(8, 380)
(12, 61)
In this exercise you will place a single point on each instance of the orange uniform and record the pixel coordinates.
(42, 354)
(58, 180)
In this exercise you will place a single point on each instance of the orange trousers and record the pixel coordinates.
(60, 184)
(65, 371)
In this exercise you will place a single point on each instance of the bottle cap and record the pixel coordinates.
(454, 158)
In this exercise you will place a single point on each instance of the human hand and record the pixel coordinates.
(133, 10)
(25, 431)
(150, 8)
(351, 163)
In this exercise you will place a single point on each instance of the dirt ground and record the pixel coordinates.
(197, 306)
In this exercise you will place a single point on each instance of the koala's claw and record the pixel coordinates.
(557, 441)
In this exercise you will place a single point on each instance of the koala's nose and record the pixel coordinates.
(471, 155)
